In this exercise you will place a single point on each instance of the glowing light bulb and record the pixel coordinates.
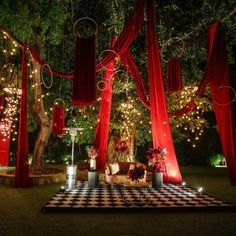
(200, 189)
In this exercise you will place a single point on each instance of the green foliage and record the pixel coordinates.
(218, 160)
(30, 158)
(191, 125)
(66, 158)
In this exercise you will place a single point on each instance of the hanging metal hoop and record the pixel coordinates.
(104, 84)
(166, 44)
(51, 76)
(4, 73)
(59, 100)
(76, 33)
(224, 104)
(117, 56)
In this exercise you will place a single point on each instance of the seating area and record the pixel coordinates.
(119, 172)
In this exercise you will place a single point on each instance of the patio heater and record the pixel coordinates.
(71, 169)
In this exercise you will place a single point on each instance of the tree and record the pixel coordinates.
(17, 16)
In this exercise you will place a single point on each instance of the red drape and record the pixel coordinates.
(22, 166)
(58, 120)
(4, 144)
(161, 132)
(217, 74)
(133, 70)
(102, 128)
(206, 76)
(187, 108)
(84, 81)
(174, 81)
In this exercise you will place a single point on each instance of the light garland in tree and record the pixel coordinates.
(129, 114)
(193, 123)
(11, 112)
(12, 94)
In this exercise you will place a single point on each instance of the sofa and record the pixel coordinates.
(117, 173)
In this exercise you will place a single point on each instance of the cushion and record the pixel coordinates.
(124, 167)
(107, 169)
(114, 168)
(131, 167)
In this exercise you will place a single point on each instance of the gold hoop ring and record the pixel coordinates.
(84, 18)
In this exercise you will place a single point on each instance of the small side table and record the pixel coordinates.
(93, 179)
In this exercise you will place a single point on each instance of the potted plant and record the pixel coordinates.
(157, 164)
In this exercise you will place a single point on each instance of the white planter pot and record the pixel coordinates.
(92, 164)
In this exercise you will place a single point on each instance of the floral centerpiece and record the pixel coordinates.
(136, 173)
(156, 159)
(122, 147)
(92, 152)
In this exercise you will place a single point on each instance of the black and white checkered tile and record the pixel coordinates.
(116, 197)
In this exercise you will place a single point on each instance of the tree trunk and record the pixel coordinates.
(42, 119)
(133, 144)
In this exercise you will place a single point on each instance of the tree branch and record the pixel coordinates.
(11, 37)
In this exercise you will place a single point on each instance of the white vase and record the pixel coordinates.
(92, 164)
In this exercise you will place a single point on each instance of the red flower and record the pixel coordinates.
(122, 147)
(156, 159)
(136, 173)
(92, 153)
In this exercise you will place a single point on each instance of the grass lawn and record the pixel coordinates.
(20, 213)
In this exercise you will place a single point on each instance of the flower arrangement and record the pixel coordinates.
(136, 173)
(122, 147)
(156, 159)
(92, 152)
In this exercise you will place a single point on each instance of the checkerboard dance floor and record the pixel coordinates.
(117, 198)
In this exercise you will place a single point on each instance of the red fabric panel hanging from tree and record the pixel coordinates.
(161, 131)
(102, 128)
(187, 108)
(84, 81)
(217, 74)
(22, 166)
(174, 81)
(4, 144)
(58, 120)
(133, 70)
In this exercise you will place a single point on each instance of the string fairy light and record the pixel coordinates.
(10, 113)
(193, 123)
(12, 96)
